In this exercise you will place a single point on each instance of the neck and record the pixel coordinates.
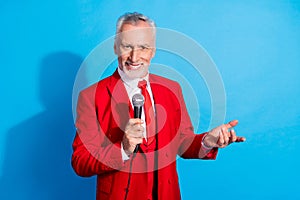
(125, 77)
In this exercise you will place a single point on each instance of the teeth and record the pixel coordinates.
(133, 66)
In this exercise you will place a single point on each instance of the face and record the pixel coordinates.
(135, 47)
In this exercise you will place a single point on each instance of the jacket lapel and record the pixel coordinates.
(120, 103)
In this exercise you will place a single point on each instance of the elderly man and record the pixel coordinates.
(135, 158)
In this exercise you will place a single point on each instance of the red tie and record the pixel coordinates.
(149, 112)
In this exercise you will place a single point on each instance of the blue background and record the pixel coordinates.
(255, 44)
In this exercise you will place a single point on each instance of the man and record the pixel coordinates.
(136, 158)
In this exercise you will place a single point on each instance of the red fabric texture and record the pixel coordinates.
(102, 113)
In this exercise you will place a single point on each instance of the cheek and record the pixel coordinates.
(124, 57)
(147, 57)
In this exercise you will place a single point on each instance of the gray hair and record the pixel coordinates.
(133, 18)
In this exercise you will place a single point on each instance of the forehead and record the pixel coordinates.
(138, 33)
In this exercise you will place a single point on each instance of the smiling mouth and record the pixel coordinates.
(133, 66)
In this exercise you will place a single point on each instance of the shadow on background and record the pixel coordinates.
(37, 157)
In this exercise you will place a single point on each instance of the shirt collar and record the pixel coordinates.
(132, 82)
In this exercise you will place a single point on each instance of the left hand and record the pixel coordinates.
(221, 137)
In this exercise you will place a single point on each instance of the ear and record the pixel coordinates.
(115, 48)
(153, 52)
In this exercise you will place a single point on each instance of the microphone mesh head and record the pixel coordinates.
(138, 100)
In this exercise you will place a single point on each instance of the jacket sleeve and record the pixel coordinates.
(93, 152)
(190, 143)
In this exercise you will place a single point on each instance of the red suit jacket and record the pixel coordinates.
(102, 113)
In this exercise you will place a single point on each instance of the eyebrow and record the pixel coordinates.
(139, 45)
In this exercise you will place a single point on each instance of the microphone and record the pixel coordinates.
(138, 102)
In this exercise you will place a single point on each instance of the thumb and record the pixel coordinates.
(232, 123)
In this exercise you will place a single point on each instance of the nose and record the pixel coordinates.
(134, 55)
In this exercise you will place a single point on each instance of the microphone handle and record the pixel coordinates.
(137, 114)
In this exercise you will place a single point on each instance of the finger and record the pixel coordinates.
(136, 136)
(133, 147)
(137, 132)
(232, 136)
(135, 141)
(137, 128)
(225, 135)
(221, 139)
(139, 141)
(134, 121)
(240, 139)
(133, 127)
(231, 124)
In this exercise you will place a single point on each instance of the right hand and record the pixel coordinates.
(133, 135)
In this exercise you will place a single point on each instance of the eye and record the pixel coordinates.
(143, 47)
(126, 46)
